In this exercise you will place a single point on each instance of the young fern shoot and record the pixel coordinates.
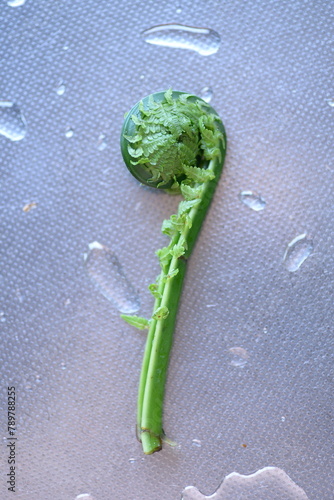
(176, 142)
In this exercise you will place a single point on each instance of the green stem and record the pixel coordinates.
(160, 346)
(160, 335)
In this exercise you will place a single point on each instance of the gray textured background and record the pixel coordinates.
(74, 362)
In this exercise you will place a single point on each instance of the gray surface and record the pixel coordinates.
(74, 362)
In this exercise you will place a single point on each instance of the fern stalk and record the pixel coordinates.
(176, 143)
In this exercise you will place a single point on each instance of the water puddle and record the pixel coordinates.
(84, 496)
(12, 122)
(267, 483)
(297, 252)
(252, 200)
(16, 3)
(204, 41)
(106, 272)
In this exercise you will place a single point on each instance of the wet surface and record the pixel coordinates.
(205, 41)
(250, 376)
(105, 271)
(269, 482)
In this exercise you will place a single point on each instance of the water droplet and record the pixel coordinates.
(107, 274)
(197, 443)
(84, 496)
(16, 3)
(240, 356)
(2, 317)
(63, 365)
(60, 89)
(69, 132)
(206, 94)
(205, 41)
(12, 122)
(297, 252)
(283, 419)
(178, 10)
(330, 102)
(132, 460)
(101, 142)
(269, 482)
(252, 200)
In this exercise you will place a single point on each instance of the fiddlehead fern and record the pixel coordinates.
(176, 142)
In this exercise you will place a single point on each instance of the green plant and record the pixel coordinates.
(176, 142)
